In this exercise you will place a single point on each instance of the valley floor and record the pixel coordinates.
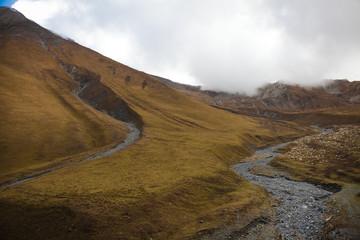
(318, 208)
(300, 205)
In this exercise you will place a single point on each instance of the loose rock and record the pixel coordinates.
(301, 204)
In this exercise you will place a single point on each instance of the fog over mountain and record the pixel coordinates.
(233, 45)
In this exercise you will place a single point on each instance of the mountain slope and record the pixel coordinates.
(41, 119)
(336, 102)
(173, 183)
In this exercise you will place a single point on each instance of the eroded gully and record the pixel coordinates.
(299, 214)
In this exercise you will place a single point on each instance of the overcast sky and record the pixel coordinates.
(232, 45)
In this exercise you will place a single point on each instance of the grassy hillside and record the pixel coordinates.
(41, 121)
(172, 184)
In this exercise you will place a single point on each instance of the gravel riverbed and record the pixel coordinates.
(299, 214)
(134, 134)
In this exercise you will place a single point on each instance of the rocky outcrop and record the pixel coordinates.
(282, 101)
(99, 96)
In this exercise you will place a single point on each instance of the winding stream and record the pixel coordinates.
(133, 135)
(299, 214)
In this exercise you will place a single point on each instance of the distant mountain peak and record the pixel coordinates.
(272, 90)
(275, 100)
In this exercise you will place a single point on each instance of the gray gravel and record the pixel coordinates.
(133, 136)
(299, 214)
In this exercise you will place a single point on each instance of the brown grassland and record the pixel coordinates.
(41, 120)
(175, 175)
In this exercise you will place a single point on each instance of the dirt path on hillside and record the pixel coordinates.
(133, 135)
(301, 205)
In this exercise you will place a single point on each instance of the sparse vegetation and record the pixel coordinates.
(322, 158)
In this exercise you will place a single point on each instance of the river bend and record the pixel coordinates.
(299, 214)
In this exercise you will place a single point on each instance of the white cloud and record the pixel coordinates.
(234, 45)
(41, 11)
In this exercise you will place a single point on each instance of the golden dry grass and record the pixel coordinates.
(160, 187)
(41, 121)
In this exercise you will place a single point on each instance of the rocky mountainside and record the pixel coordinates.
(284, 101)
(333, 94)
